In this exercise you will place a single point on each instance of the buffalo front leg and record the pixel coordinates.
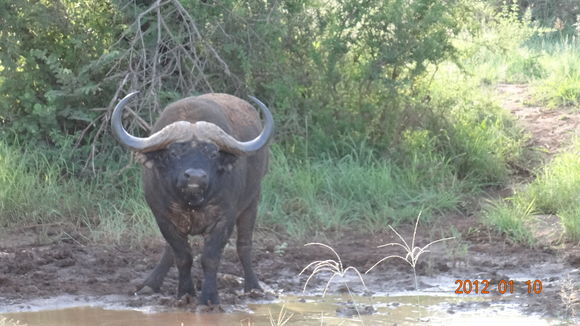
(155, 279)
(213, 248)
(245, 226)
(182, 257)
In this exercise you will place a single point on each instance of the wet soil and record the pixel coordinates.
(64, 267)
(39, 262)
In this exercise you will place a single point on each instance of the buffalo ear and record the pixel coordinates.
(144, 159)
(226, 161)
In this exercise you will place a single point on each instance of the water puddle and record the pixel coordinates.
(332, 310)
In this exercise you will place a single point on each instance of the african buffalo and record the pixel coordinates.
(203, 165)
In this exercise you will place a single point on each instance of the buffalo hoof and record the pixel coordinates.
(146, 289)
(255, 293)
(184, 301)
(259, 294)
(209, 309)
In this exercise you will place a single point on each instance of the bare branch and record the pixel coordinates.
(166, 53)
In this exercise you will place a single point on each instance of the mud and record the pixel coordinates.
(76, 274)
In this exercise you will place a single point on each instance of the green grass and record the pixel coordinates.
(561, 86)
(475, 133)
(550, 65)
(556, 190)
(40, 188)
(302, 197)
(516, 66)
(356, 191)
(510, 217)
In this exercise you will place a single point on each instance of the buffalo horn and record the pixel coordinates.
(183, 131)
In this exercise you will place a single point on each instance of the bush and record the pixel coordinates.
(53, 59)
(313, 62)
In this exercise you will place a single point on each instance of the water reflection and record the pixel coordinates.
(399, 310)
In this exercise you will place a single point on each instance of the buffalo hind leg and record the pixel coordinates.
(245, 226)
(155, 279)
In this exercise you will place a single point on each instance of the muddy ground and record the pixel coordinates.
(66, 266)
(44, 262)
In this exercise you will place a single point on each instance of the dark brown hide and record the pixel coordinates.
(232, 200)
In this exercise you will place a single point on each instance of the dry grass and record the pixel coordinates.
(335, 267)
(283, 317)
(413, 252)
(569, 296)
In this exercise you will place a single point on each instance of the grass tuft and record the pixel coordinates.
(283, 317)
(556, 190)
(335, 267)
(413, 252)
(510, 217)
(561, 86)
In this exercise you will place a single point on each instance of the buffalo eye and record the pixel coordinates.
(226, 161)
(211, 151)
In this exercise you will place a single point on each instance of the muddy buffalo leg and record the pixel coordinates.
(245, 226)
(182, 256)
(155, 279)
(213, 248)
(183, 261)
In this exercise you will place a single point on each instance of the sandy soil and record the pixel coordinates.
(550, 129)
(35, 263)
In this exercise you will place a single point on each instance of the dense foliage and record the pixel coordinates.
(315, 62)
(388, 90)
(48, 56)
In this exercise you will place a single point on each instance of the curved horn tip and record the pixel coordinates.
(255, 100)
(263, 108)
(118, 130)
(130, 95)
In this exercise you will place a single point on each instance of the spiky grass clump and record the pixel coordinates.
(283, 317)
(334, 267)
(556, 190)
(510, 217)
(412, 252)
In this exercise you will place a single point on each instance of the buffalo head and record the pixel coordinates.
(190, 157)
